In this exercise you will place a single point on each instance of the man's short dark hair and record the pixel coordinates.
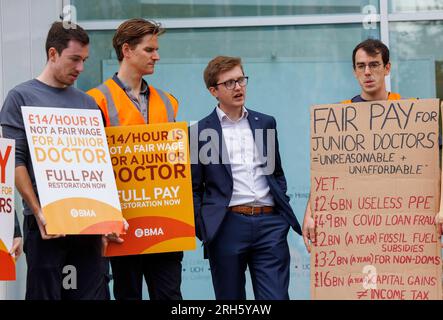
(60, 34)
(372, 47)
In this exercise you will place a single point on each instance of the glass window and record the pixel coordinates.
(417, 58)
(404, 6)
(155, 9)
(289, 68)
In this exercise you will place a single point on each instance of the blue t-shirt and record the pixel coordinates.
(39, 94)
(358, 99)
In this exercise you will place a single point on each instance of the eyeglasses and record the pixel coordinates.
(230, 84)
(361, 67)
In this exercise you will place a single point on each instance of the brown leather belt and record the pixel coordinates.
(251, 211)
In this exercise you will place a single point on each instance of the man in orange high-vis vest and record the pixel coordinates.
(370, 60)
(127, 99)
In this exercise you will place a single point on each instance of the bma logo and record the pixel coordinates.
(82, 213)
(148, 232)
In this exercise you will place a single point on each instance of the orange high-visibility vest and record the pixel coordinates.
(391, 96)
(119, 110)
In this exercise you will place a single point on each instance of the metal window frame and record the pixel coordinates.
(383, 17)
(218, 22)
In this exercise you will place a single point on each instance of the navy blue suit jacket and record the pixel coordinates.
(212, 183)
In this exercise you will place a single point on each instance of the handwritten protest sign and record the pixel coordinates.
(374, 196)
(152, 169)
(73, 170)
(7, 168)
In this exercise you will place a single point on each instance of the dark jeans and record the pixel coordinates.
(162, 272)
(70, 268)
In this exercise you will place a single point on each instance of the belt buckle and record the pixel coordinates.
(252, 211)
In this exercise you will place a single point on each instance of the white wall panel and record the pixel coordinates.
(23, 28)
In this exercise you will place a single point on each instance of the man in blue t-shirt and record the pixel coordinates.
(48, 255)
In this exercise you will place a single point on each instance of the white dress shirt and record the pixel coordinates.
(250, 185)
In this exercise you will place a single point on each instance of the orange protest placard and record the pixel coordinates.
(7, 167)
(152, 169)
(374, 196)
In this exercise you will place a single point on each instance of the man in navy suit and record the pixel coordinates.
(241, 208)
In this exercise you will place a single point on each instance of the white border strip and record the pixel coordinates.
(384, 22)
(187, 23)
(237, 21)
(418, 16)
(384, 33)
